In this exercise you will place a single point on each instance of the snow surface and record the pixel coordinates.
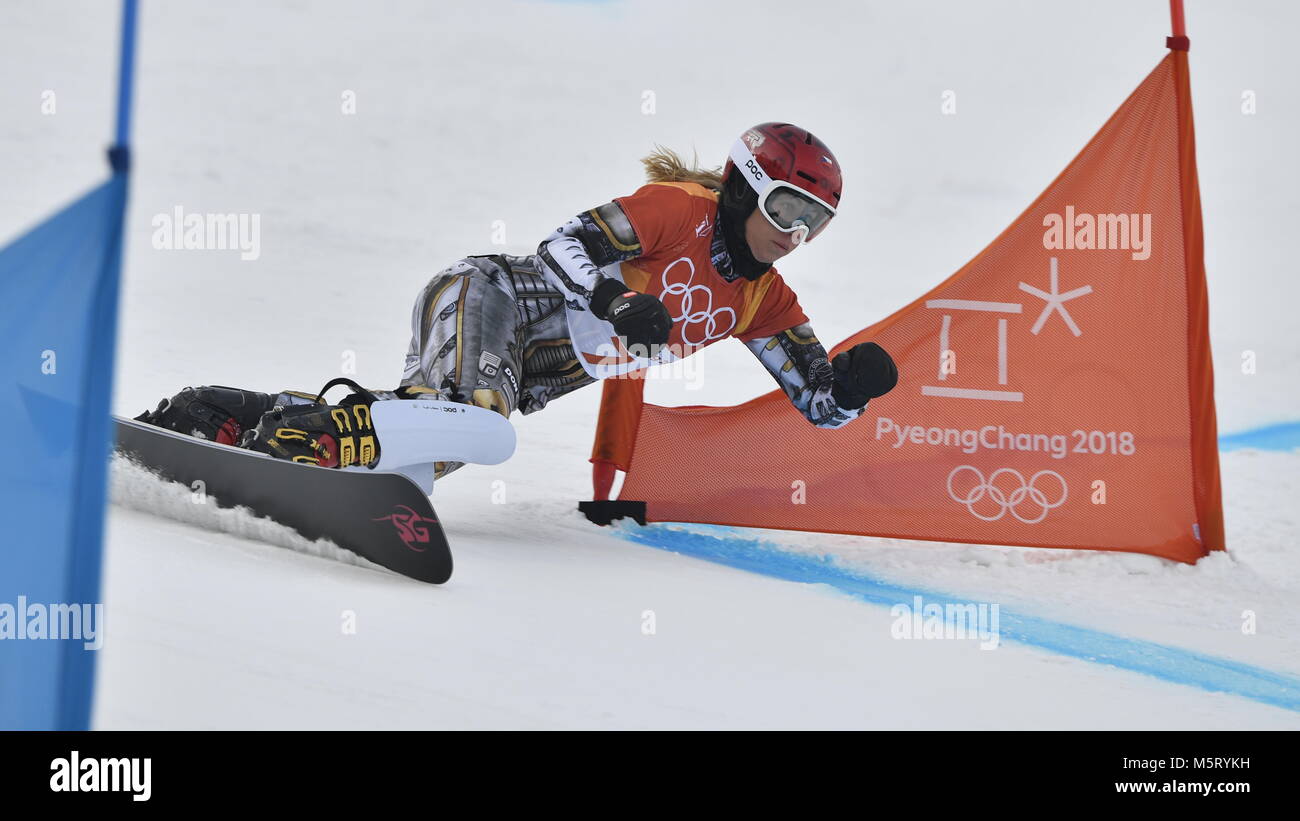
(525, 113)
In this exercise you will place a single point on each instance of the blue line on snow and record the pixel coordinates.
(1168, 663)
(1284, 436)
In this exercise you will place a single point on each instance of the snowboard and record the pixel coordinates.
(383, 517)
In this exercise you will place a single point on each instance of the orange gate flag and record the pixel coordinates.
(1057, 391)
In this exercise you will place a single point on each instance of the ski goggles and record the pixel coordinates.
(794, 211)
(786, 206)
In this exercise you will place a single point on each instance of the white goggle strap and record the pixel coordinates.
(749, 167)
(758, 179)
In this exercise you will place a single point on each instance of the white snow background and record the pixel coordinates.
(527, 112)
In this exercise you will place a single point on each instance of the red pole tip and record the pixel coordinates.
(1176, 15)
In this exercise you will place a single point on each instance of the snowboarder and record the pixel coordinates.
(683, 262)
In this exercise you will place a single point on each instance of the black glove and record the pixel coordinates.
(863, 372)
(641, 319)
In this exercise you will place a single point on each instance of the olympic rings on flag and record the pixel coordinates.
(1009, 502)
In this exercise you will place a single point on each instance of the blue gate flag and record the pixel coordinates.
(58, 309)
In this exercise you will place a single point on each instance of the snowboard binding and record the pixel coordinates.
(330, 436)
(213, 412)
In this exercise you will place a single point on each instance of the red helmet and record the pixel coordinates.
(795, 175)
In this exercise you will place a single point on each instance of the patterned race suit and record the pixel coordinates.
(514, 332)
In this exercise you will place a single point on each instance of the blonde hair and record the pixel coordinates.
(663, 165)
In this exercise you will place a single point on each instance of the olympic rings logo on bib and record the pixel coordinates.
(705, 318)
(1025, 501)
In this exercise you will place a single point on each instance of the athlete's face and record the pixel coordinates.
(766, 242)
